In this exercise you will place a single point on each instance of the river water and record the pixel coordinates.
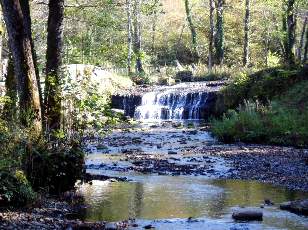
(167, 201)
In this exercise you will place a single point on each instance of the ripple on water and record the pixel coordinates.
(175, 199)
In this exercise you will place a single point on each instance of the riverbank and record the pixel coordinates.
(282, 166)
(51, 213)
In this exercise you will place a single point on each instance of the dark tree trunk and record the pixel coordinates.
(9, 109)
(302, 40)
(53, 65)
(211, 36)
(129, 35)
(192, 29)
(219, 38)
(1, 46)
(137, 37)
(20, 44)
(305, 57)
(246, 58)
(289, 26)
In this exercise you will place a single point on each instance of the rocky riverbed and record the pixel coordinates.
(174, 149)
(184, 164)
(283, 166)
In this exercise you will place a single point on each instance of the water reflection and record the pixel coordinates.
(158, 197)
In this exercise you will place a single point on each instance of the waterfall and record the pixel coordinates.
(171, 105)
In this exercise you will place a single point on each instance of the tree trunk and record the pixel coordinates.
(192, 29)
(137, 37)
(266, 46)
(27, 22)
(9, 109)
(154, 25)
(53, 65)
(289, 26)
(305, 57)
(1, 46)
(211, 36)
(302, 40)
(129, 35)
(20, 44)
(219, 38)
(246, 58)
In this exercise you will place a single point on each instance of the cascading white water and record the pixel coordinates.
(171, 105)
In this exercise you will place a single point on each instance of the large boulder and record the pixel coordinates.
(247, 215)
(299, 207)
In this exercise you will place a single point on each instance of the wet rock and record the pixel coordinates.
(306, 161)
(247, 215)
(136, 140)
(267, 164)
(149, 226)
(190, 219)
(172, 153)
(111, 226)
(138, 163)
(177, 125)
(101, 147)
(193, 132)
(299, 207)
(131, 151)
(268, 202)
(174, 159)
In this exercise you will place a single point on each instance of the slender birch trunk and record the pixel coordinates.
(246, 58)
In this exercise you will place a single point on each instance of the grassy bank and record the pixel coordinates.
(270, 106)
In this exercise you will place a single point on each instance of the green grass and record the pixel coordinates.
(274, 109)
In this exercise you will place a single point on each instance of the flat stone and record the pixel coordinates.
(172, 153)
(247, 215)
(299, 207)
(111, 226)
(149, 226)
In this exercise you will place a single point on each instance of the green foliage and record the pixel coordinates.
(15, 189)
(28, 163)
(262, 85)
(88, 100)
(283, 121)
(55, 169)
(273, 125)
(245, 125)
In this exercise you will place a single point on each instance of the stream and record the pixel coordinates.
(165, 198)
(169, 183)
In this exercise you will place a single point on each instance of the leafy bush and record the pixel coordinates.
(55, 169)
(28, 164)
(245, 125)
(273, 124)
(15, 189)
